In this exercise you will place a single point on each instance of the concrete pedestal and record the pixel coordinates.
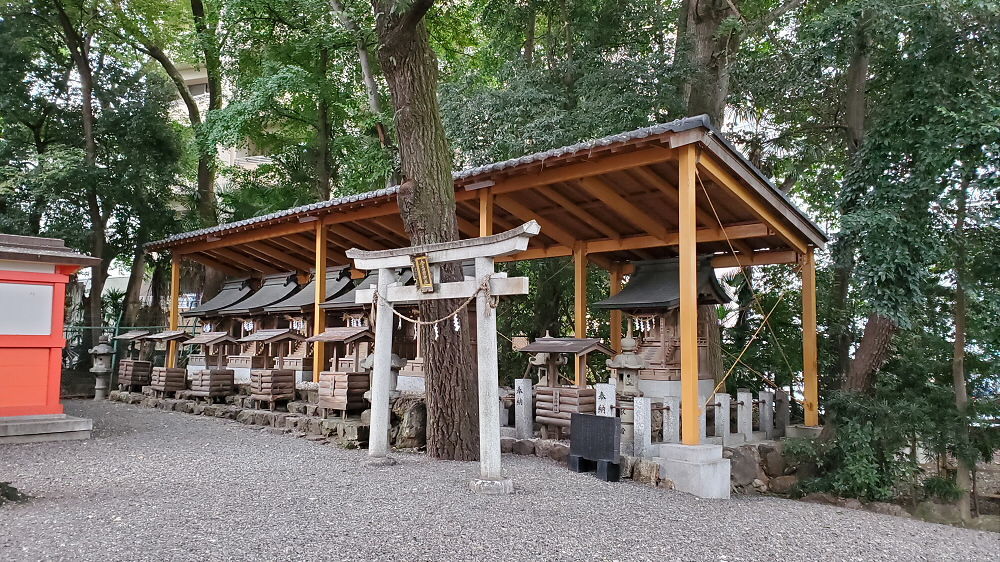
(696, 469)
(492, 487)
(807, 431)
(49, 427)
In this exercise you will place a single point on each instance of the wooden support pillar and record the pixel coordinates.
(580, 307)
(319, 315)
(486, 211)
(810, 356)
(616, 315)
(174, 313)
(688, 262)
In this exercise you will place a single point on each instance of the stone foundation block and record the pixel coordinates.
(559, 452)
(696, 469)
(524, 447)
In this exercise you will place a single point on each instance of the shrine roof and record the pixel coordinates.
(274, 288)
(338, 281)
(617, 196)
(346, 334)
(168, 335)
(270, 336)
(576, 346)
(43, 250)
(132, 335)
(231, 293)
(211, 338)
(655, 285)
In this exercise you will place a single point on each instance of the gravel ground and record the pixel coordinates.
(171, 486)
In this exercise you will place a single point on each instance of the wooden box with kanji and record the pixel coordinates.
(555, 405)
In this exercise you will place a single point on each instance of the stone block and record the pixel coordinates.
(671, 419)
(229, 412)
(642, 427)
(523, 403)
(198, 408)
(803, 431)
(291, 422)
(311, 409)
(507, 444)
(524, 447)
(245, 416)
(314, 426)
(627, 463)
(263, 418)
(543, 446)
(703, 473)
(772, 459)
(43, 427)
(745, 465)
(559, 452)
(783, 484)
(647, 472)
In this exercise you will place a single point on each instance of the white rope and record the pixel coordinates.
(484, 287)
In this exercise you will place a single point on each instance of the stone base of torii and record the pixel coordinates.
(483, 251)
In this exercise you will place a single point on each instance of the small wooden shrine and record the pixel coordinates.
(651, 298)
(168, 379)
(248, 317)
(269, 349)
(211, 350)
(556, 403)
(133, 372)
(208, 312)
(296, 312)
(343, 387)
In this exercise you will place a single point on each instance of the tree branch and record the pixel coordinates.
(784, 8)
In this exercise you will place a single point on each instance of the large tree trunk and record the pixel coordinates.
(133, 290)
(78, 45)
(709, 52)
(427, 204)
(964, 476)
(872, 353)
(207, 32)
(842, 250)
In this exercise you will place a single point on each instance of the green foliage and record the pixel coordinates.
(941, 488)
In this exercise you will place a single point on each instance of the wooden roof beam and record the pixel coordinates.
(564, 202)
(585, 168)
(647, 176)
(216, 264)
(251, 263)
(631, 213)
(725, 180)
(549, 227)
(352, 236)
(276, 256)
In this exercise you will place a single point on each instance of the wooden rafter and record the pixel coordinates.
(216, 264)
(584, 169)
(549, 227)
(725, 180)
(578, 211)
(276, 256)
(647, 176)
(249, 262)
(355, 238)
(629, 211)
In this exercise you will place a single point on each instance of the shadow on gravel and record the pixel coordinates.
(10, 494)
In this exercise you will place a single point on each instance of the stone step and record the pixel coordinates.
(51, 427)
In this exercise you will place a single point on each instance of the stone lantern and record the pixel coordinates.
(626, 365)
(101, 358)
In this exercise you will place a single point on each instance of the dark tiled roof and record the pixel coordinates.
(675, 126)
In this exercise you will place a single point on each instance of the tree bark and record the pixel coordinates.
(963, 477)
(842, 250)
(529, 34)
(872, 353)
(427, 205)
(708, 52)
(133, 290)
(78, 44)
(209, 41)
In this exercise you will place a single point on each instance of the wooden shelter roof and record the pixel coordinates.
(616, 195)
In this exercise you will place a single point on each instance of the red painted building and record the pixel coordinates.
(33, 276)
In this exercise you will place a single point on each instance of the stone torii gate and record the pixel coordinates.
(426, 261)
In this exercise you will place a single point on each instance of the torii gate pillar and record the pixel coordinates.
(484, 251)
